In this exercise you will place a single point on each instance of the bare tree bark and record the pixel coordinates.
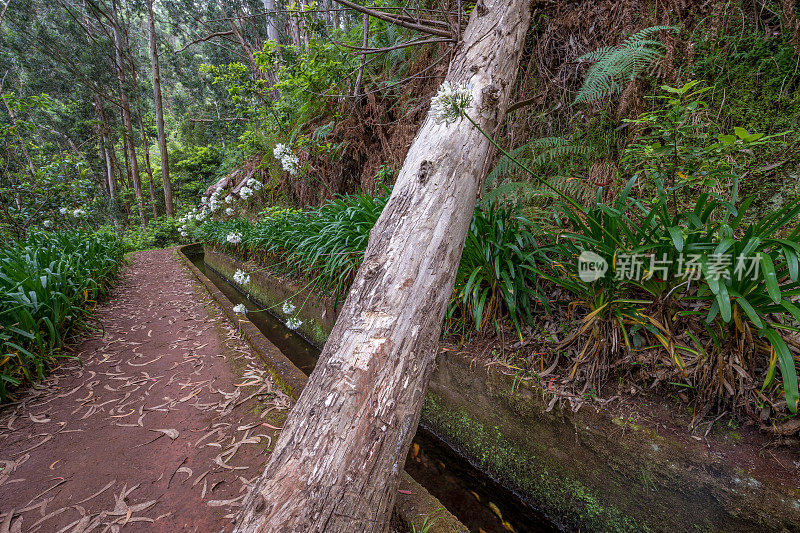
(336, 465)
(126, 116)
(169, 205)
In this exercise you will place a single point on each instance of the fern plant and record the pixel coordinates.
(545, 156)
(614, 66)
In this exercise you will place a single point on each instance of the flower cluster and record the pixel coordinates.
(241, 277)
(288, 308)
(245, 192)
(47, 223)
(189, 218)
(451, 102)
(293, 323)
(289, 160)
(254, 184)
(213, 200)
(234, 238)
(77, 212)
(229, 211)
(240, 309)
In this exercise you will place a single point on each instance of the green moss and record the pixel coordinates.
(562, 498)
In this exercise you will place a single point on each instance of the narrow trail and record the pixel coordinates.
(159, 426)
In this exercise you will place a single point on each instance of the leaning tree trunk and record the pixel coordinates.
(336, 464)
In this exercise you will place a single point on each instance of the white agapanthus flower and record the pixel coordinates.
(78, 213)
(293, 323)
(228, 199)
(200, 216)
(288, 308)
(229, 211)
(289, 160)
(239, 309)
(47, 223)
(451, 102)
(63, 210)
(254, 184)
(234, 238)
(245, 192)
(241, 277)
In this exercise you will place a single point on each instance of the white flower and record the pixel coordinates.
(203, 200)
(451, 102)
(245, 192)
(78, 213)
(228, 199)
(200, 216)
(239, 309)
(254, 184)
(289, 161)
(288, 308)
(241, 277)
(47, 223)
(63, 210)
(234, 238)
(293, 323)
(229, 211)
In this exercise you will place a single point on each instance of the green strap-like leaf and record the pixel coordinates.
(770, 278)
(788, 370)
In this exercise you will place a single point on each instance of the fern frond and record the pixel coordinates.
(614, 66)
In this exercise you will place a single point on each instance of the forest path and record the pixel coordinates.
(159, 426)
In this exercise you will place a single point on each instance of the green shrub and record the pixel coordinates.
(160, 232)
(48, 284)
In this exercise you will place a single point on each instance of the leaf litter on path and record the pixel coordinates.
(164, 362)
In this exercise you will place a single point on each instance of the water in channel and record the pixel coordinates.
(479, 502)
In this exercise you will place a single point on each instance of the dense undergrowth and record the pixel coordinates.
(49, 284)
(696, 289)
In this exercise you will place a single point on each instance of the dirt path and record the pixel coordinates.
(161, 427)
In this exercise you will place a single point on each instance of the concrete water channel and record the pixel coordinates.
(478, 501)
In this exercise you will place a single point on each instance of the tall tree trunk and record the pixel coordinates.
(148, 168)
(126, 115)
(336, 464)
(169, 205)
(273, 35)
(107, 151)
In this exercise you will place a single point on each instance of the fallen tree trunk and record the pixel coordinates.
(337, 462)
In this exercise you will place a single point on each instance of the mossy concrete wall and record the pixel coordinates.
(271, 291)
(587, 471)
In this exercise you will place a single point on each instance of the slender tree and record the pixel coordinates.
(126, 113)
(162, 139)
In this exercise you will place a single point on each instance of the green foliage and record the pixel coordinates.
(160, 232)
(678, 147)
(325, 246)
(306, 77)
(48, 284)
(615, 66)
(496, 276)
